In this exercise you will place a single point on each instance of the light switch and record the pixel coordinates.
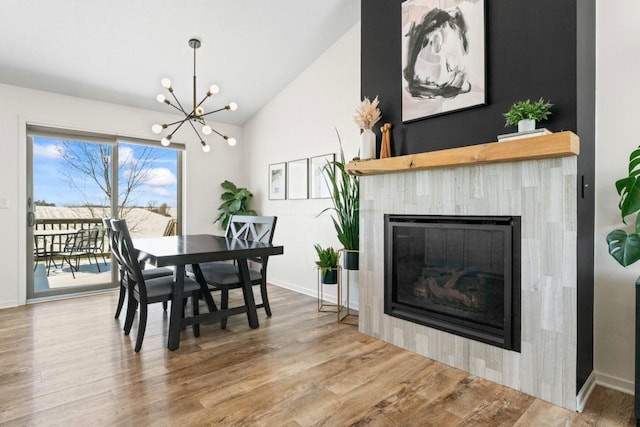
(4, 203)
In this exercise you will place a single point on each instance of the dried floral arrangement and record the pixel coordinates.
(367, 113)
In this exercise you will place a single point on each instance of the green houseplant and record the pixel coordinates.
(525, 114)
(235, 201)
(328, 264)
(625, 247)
(345, 196)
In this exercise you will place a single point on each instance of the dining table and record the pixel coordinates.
(182, 250)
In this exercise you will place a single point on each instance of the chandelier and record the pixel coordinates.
(196, 114)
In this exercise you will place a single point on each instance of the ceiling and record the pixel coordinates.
(118, 50)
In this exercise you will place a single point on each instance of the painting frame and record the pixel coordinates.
(318, 178)
(297, 185)
(443, 58)
(277, 181)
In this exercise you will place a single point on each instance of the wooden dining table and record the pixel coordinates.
(179, 251)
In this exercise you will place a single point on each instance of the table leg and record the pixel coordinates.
(247, 292)
(175, 319)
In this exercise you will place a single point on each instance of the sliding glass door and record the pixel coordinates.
(75, 181)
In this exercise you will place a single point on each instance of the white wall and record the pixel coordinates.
(617, 93)
(18, 106)
(300, 123)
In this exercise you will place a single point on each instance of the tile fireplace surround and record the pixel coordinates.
(539, 188)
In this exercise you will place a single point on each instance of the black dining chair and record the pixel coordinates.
(223, 276)
(147, 273)
(143, 292)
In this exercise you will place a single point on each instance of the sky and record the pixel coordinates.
(51, 185)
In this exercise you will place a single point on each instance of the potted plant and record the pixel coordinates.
(345, 196)
(235, 202)
(625, 247)
(525, 114)
(328, 264)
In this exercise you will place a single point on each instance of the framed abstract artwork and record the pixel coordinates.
(318, 178)
(443, 57)
(277, 181)
(297, 179)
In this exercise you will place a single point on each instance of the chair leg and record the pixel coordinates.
(195, 300)
(142, 325)
(131, 313)
(123, 292)
(70, 265)
(97, 263)
(164, 305)
(265, 297)
(224, 304)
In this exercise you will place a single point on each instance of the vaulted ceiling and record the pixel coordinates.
(118, 50)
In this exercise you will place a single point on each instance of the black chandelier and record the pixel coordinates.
(197, 114)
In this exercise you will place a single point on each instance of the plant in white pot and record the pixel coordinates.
(525, 114)
(367, 115)
(625, 247)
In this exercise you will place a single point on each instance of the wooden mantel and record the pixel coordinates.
(559, 144)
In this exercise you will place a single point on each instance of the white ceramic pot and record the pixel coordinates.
(526, 125)
(367, 145)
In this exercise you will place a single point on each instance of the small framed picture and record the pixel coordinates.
(297, 179)
(318, 177)
(277, 181)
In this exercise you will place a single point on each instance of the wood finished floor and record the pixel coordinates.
(68, 363)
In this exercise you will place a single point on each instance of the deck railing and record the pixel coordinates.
(71, 224)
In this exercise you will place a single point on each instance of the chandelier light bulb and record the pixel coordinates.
(206, 129)
(233, 106)
(156, 128)
(231, 141)
(199, 111)
(161, 98)
(166, 141)
(206, 148)
(165, 82)
(214, 89)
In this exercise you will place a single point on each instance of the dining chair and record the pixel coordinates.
(143, 292)
(223, 276)
(149, 273)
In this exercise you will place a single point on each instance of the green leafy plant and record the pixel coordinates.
(526, 110)
(235, 202)
(327, 258)
(345, 195)
(625, 247)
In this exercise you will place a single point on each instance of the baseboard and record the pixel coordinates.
(615, 383)
(310, 292)
(585, 392)
(9, 303)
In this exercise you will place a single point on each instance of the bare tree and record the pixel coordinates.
(87, 161)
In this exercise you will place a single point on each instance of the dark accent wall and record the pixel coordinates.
(534, 48)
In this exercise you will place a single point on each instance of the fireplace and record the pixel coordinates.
(459, 274)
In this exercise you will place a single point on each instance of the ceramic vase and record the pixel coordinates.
(367, 145)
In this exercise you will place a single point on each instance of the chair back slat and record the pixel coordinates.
(128, 254)
(253, 228)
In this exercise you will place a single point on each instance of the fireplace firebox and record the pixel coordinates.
(459, 274)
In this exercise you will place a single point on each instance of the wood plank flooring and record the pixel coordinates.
(68, 363)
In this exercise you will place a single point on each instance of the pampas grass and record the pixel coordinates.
(367, 113)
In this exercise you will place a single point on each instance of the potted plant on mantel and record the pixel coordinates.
(525, 114)
(235, 201)
(625, 247)
(328, 264)
(345, 196)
